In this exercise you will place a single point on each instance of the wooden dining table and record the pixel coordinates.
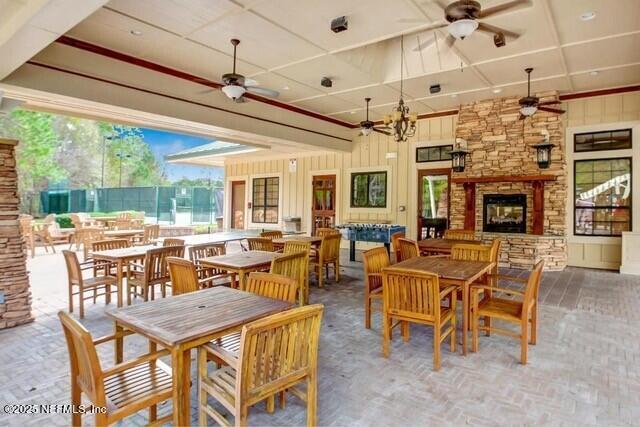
(183, 322)
(121, 257)
(314, 240)
(452, 272)
(442, 246)
(125, 234)
(241, 263)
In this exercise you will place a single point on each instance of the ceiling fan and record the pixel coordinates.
(367, 126)
(530, 104)
(236, 85)
(462, 20)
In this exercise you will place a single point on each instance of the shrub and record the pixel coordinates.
(64, 221)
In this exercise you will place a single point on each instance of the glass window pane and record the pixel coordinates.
(606, 140)
(258, 214)
(271, 215)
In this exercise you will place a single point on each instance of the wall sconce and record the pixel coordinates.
(458, 156)
(543, 151)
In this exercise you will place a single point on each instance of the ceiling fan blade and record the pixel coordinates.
(495, 30)
(263, 91)
(384, 132)
(204, 92)
(549, 102)
(250, 82)
(504, 7)
(425, 44)
(551, 110)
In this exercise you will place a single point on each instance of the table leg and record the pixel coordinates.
(153, 409)
(352, 250)
(119, 282)
(181, 366)
(118, 343)
(465, 316)
(241, 278)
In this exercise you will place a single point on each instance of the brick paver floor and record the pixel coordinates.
(585, 369)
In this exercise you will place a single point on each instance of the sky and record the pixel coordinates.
(163, 143)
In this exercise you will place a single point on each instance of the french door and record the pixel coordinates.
(433, 202)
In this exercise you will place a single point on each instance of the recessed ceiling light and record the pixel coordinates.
(285, 88)
(352, 112)
(135, 32)
(587, 16)
(497, 90)
(454, 95)
(594, 73)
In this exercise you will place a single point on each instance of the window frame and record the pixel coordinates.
(266, 205)
(354, 175)
(440, 147)
(575, 144)
(628, 208)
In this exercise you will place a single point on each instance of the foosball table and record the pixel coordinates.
(376, 233)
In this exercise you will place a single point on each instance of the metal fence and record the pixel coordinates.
(166, 205)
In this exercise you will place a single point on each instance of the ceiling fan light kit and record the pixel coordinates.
(462, 28)
(233, 91)
(528, 110)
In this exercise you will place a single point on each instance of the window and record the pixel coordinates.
(599, 141)
(265, 200)
(433, 154)
(602, 197)
(369, 190)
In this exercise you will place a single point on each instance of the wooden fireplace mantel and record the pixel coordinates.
(537, 182)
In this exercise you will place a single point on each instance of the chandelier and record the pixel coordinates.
(401, 123)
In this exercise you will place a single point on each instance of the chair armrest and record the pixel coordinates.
(111, 337)
(511, 278)
(438, 256)
(492, 288)
(135, 362)
(446, 291)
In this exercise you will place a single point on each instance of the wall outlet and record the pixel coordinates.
(1, 297)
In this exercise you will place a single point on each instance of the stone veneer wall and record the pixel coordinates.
(502, 145)
(14, 280)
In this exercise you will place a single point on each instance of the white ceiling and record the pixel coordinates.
(287, 45)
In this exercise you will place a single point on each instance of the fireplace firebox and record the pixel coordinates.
(504, 213)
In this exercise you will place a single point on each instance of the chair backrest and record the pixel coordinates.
(204, 250)
(26, 226)
(278, 351)
(293, 265)
(260, 244)
(471, 252)
(74, 272)
(155, 263)
(394, 242)
(275, 234)
(151, 233)
(183, 274)
(53, 229)
(273, 286)
(172, 242)
(407, 249)
(87, 236)
(83, 358)
(123, 215)
(460, 234)
(330, 247)
(533, 284)
(293, 246)
(106, 245)
(411, 294)
(374, 261)
(321, 232)
(76, 220)
(123, 224)
(49, 219)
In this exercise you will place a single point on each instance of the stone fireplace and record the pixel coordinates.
(504, 213)
(502, 193)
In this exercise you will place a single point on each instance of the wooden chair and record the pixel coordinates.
(85, 237)
(407, 249)
(150, 235)
(295, 266)
(28, 236)
(395, 244)
(123, 389)
(107, 245)
(460, 234)
(327, 255)
(374, 261)
(294, 246)
(204, 250)
(276, 353)
(274, 234)
(522, 312)
(153, 272)
(172, 242)
(413, 296)
(124, 215)
(260, 244)
(79, 285)
(184, 276)
(123, 224)
(321, 232)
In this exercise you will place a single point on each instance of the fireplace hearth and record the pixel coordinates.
(504, 213)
